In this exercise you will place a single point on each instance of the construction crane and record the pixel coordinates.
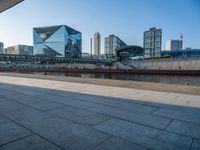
(181, 36)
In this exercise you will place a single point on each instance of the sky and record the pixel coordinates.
(127, 19)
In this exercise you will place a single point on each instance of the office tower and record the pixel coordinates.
(111, 44)
(20, 50)
(60, 40)
(174, 45)
(1, 48)
(152, 42)
(97, 44)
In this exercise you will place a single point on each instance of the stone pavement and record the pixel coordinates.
(43, 114)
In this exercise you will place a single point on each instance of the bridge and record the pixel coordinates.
(13, 58)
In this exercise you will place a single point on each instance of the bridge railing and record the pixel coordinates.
(36, 58)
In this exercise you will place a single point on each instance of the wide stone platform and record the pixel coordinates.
(40, 114)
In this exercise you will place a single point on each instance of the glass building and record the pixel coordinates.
(174, 45)
(129, 53)
(60, 40)
(1, 48)
(20, 50)
(111, 44)
(152, 43)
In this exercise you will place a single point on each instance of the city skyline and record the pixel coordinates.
(17, 27)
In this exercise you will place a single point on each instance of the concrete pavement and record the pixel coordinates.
(45, 114)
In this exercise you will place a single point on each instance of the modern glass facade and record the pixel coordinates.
(111, 44)
(129, 53)
(152, 42)
(192, 53)
(174, 45)
(1, 48)
(59, 40)
(20, 50)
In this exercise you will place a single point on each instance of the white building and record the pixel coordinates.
(176, 45)
(97, 44)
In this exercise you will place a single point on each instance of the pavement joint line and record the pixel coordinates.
(156, 109)
(111, 116)
(103, 141)
(76, 122)
(172, 119)
(33, 131)
(16, 140)
(54, 108)
(190, 148)
(133, 101)
(99, 103)
(25, 105)
(83, 110)
(46, 111)
(130, 101)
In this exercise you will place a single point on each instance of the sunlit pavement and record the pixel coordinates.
(45, 114)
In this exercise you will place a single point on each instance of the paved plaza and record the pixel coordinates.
(40, 114)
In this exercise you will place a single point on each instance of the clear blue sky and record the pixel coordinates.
(128, 19)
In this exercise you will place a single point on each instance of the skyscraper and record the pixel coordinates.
(152, 42)
(176, 45)
(97, 44)
(58, 40)
(111, 44)
(1, 48)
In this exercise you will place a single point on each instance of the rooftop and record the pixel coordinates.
(49, 114)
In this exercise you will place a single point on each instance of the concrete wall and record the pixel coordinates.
(76, 66)
(167, 64)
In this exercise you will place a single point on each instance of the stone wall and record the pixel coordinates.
(167, 64)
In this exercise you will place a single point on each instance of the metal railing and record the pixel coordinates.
(47, 59)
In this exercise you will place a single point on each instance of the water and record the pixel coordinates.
(170, 79)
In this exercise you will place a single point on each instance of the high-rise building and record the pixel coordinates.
(20, 50)
(1, 48)
(97, 44)
(152, 43)
(111, 44)
(174, 45)
(60, 40)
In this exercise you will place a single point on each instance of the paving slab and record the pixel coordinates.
(10, 131)
(40, 103)
(146, 136)
(122, 104)
(69, 135)
(80, 115)
(13, 96)
(21, 113)
(178, 114)
(115, 143)
(84, 116)
(195, 145)
(64, 98)
(185, 128)
(32, 142)
(31, 92)
(134, 116)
